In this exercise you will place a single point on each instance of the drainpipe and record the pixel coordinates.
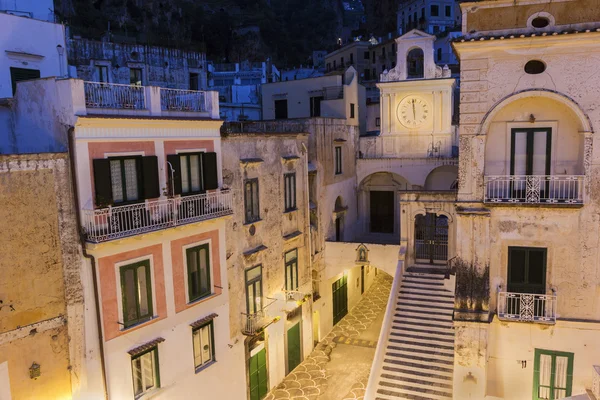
(71, 139)
(307, 200)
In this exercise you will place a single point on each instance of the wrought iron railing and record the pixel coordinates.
(183, 100)
(534, 189)
(113, 95)
(110, 223)
(527, 307)
(255, 322)
(333, 92)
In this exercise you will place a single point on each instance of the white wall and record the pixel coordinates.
(38, 9)
(30, 44)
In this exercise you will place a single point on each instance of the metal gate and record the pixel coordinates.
(431, 238)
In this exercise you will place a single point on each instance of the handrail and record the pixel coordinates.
(386, 327)
(114, 95)
(183, 100)
(527, 307)
(534, 189)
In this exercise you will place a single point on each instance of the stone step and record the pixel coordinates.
(426, 288)
(439, 333)
(415, 292)
(417, 343)
(418, 365)
(429, 338)
(445, 315)
(436, 354)
(443, 385)
(427, 306)
(400, 323)
(412, 298)
(423, 281)
(423, 316)
(414, 357)
(392, 388)
(419, 373)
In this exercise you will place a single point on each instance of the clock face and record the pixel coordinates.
(413, 111)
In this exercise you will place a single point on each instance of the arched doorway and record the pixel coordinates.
(414, 64)
(338, 212)
(379, 202)
(431, 238)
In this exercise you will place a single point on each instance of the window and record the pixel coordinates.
(378, 121)
(102, 73)
(351, 58)
(128, 179)
(289, 190)
(338, 160)
(367, 74)
(334, 64)
(281, 107)
(439, 54)
(315, 106)
(135, 76)
(552, 374)
(291, 270)
(414, 59)
(203, 339)
(125, 177)
(436, 29)
(374, 74)
(383, 51)
(22, 74)
(373, 56)
(526, 270)
(530, 152)
(352, 107)
(448, 11)
(145, 372)
(191, 173)
(251, 200)
(423, 13)
(366, 55)
(198, 269)
(254, 300)
(136, 291)
(434, 10)
(194, 81)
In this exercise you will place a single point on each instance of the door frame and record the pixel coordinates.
(394, 211)
(295, 322)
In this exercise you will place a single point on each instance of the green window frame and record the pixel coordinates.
(126, 179)
(198, 270)
(136, 291)
(254, 289)
(203, 341)
(251, 200)
(289, 191)
(338, 160)
(552, 374)
(529, 136)
(145, 371)
(291, 270)
(534, 262)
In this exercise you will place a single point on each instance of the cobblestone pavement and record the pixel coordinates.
(310, 379)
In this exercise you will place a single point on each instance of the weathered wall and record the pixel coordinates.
(161, 66)
(40, 284)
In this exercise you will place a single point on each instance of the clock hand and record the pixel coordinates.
(414, 113)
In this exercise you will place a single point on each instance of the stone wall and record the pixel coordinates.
(41, 296)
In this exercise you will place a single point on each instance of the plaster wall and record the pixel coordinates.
(19, 51)
(38, 9)
(341, 256)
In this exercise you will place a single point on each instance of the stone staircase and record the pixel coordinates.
(418, 359)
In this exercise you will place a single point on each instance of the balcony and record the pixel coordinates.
(534, 189)
(276, 126)
(333, 92)
(112, 95)
(526, 307)
(183, 100)
(104, 224)
(255, 323)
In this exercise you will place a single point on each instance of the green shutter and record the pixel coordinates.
(210, 171)
(102, 182)
(150, 177)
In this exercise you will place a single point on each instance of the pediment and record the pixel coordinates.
(415, 34)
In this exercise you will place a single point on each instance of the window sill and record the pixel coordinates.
(203, 367)
(149, 394)
(202, 299)
(137, 324)
(252, 222)
(291, 210)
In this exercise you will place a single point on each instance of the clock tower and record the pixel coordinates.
(417, 98)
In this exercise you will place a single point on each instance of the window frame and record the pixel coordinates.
(252, 218)
(138, 173)
(102, 72)
(315, 105)
(352, 110)
(252, 282)
(280, 101)
(213, 358)
(291, 205)
(526, 283)
(448, 11)
(529, 148)
(200, 295)
(200, 155)
(338, 160)
(536, 371)
(156, 371)
(292, 266)
(131, 76)
(149, 292)
(437, 12)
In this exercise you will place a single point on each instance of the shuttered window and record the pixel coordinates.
(552, 375)
(204, 345)
(338, 160)
(22, 74)
(289, 191)
(251, 203)
(192, 173)
(291, 270)
(145, 372)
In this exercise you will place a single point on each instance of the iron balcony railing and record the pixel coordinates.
(534, 189)
(254, 323)
(527, 307)
(110, 223)
(183, 100)
(113, 95)
(333, 92)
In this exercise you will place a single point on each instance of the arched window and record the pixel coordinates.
(414, 62)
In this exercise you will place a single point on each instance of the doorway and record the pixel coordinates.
(431, 238)
(362, 279)
(527, 270)
(258, 375)
(338, 229)
(382, 211)
(339, 296)
(294, 352)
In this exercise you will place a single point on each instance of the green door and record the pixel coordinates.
(258, 375)
(293, 343)
(340, 298)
